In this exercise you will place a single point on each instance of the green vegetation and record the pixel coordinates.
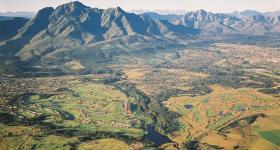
(165, 120)
(220, 122)
(78, 112)
(238, 107)
(54, 142)
(92, 101)
(210, 112)
(197, 116)
(271, 136)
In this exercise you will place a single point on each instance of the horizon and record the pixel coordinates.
(216, 6)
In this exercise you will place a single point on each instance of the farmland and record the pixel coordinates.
(77, 107)
(212, 112)
(213, 91)
(227, 93)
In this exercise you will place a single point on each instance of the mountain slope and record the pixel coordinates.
(156, 16)
(246, 13)
(8, 28)
(27, 32)
(74, 31)
(75, 24)
(4, 18)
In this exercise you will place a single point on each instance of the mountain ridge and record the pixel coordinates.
(75, 31)
(245, 22)
(81, 24)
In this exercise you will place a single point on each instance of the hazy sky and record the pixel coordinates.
(210, 5)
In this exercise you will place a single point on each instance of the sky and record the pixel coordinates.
(188, 5)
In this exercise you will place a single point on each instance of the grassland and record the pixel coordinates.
(110, 144)
(261, 134)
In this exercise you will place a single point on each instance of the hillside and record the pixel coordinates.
(53, 32)
(9, 27)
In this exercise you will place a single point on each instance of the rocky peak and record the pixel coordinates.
(45, 12)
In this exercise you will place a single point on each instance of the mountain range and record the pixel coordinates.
(95, 32)
(75, 31)
(246, 22)
(23, 14)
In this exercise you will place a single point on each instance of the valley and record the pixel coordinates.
(210, 104)
(76, 77)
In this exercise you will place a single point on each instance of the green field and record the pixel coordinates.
(57, 121)
(271, 136)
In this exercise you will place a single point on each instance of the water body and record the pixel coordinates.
(188, 106)
(155, 137)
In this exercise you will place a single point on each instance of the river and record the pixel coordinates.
(155, 137)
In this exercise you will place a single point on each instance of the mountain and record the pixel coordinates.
(166, 27)
(250, 22)
(208, 22)
(160, 12)
(3, 18)
(91, 34)
(157, 16)
(86, 25)
(73, 31)
(27, 32)
(245, 13)
(92, 25)
(10, 26)
(22, 14)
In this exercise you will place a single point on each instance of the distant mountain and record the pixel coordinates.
(3, 18)
(9, 27)
(157, 16)
(250, 22)
(246, 13)
(161, 12)
(22, 14)
(208, 22)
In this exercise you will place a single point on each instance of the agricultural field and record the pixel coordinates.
(213, 89)
(204, 116)
(177, 99)
(111, 144)
(49, 121)
(243, 134)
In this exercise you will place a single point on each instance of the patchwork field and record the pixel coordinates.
(263, 133)
(204, 116)
(50, 121)
(110, 144)
(225, 96)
